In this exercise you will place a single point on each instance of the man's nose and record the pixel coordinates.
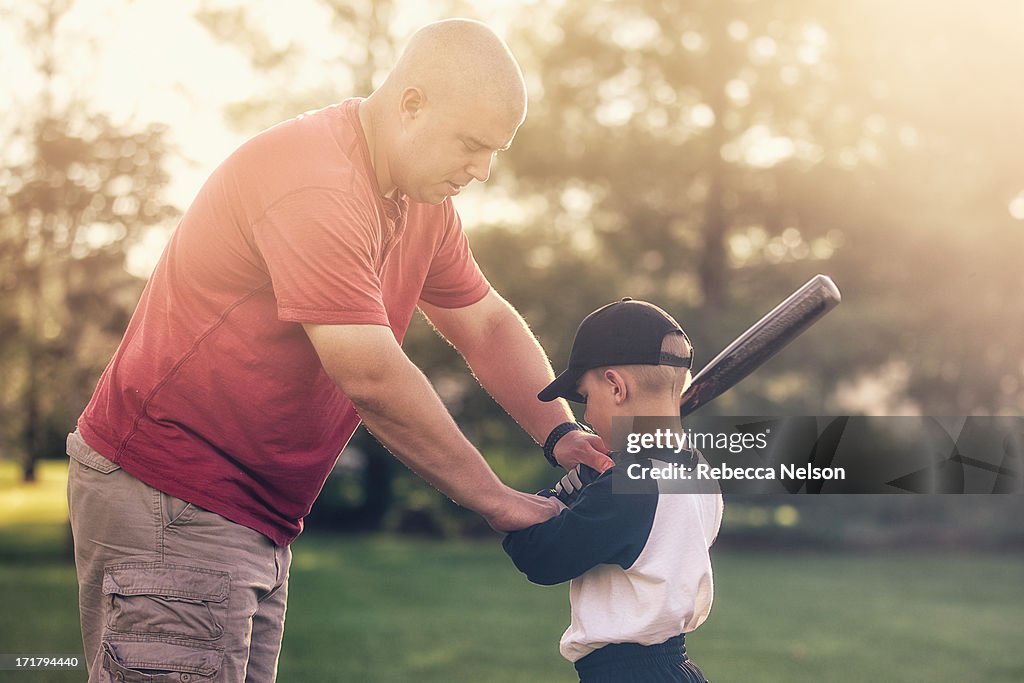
(480, 166)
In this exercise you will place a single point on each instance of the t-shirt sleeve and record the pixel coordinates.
(454, 279)
(320, 248)
(601, 527)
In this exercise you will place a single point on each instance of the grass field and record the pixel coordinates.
(390, 609)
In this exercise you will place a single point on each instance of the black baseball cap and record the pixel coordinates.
(626, 332)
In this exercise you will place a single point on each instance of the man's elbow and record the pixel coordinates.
(368, 391)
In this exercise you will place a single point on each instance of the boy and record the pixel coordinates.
(636, 557)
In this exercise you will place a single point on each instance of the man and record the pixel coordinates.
(270, 327)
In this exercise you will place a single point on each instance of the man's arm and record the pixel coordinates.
(402, 410)
(511, 365)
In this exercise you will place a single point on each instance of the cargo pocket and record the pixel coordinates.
(166, 600)
(135, 661)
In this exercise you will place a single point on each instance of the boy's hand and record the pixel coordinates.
(580, 448)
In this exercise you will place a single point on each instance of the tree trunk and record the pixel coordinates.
(31, 429)
(713, 266)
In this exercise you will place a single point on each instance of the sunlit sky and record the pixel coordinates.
(150, 61)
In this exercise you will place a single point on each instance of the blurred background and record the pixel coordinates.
(707, 155)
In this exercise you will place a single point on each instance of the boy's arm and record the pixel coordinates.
(599, 528)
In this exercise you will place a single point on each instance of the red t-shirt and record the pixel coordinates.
(216, 394)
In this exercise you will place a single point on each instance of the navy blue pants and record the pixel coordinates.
(632, 663)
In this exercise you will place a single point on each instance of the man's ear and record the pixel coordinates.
(616, 381)
(411, 103)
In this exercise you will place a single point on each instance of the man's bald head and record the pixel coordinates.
(454, 100)
(459, 61)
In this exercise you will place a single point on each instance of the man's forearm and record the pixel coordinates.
(510, 364)
(400, 407)
(513, 367)
(402, 410)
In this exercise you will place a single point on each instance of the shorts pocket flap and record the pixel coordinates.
(80, 451)
(152, 656)
(169, 580)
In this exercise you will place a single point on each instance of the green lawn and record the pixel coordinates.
(391, 609)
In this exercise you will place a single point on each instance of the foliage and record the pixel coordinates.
(78, 191)
(715, 155)
(365, 40)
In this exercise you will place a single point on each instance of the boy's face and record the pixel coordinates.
(600, 397)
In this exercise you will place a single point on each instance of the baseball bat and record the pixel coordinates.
(764, 339)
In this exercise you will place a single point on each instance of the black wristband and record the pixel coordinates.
(556, 434)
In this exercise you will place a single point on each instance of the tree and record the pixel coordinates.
(716, 154)
(364, 48)
(78, 191)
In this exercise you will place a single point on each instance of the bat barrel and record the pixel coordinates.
(762, 340)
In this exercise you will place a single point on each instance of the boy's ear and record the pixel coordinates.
(616, 382)
(687, 381)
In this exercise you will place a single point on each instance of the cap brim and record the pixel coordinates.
(563, 386)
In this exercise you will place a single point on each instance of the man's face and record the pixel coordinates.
(444, 147)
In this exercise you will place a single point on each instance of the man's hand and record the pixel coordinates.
(521, 510)
(580, 448)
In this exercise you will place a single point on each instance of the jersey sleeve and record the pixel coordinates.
(454, 280)
(321, 252)
(600, 527)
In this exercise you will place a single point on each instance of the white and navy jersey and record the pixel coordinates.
(638, 564)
